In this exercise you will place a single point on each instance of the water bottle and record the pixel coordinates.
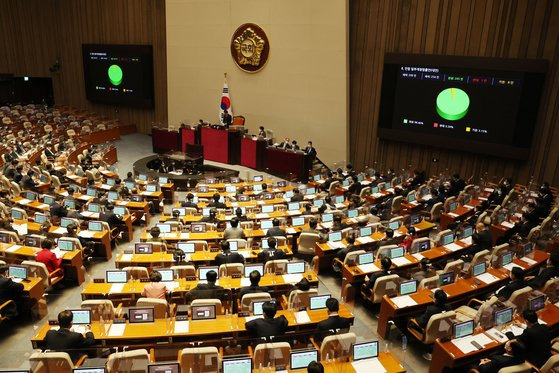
(404, 343)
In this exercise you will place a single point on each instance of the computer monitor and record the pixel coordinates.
(151, 188)
(528, 248)
(143, 248)
(447, 278)
(5, 238)
(282, 184)
(264, 243)
(318, 202)
(463, 329)
(415, 219)
(335, 236)
(316, 177)
(288, 194)
(141, 315)
(198, 227)
(375, 190)
(293, 206)
(70, 203)
(203, 189)
(238, 365)
(269, 195)
(88, 370)
(479, 269)
(256, 307)
(501, 218)
(95, 226)
(112, 195)
(301, 359)
(211, 180)
(40, 218)
(258, 178)
(397, 252)
(467, 198)
(116, 277)
(298, 221)
(164, 368)
(65, 245)
(447, 238)
(365, 231)
(64, 222)
(163, 180)
(17, 271)
(503, 316)
(186, 247)
(231, 189)
(266, 224)
(111, 182)
(233, 245)
(142, 177)
(81, 317)
(92, 192)
(295, 267)
(32, 241)
(318, 302)
(467, 231)
(353, 213)
(452, 206)
(310, 191)
(345, 183)
(164, 228)
(257, 187)
(203, 312)
(167, 275)
(411, 197)
(202, 271)
(254, 267)
(506, 258)
(366, 258)
(327, 218)
(119, 210)
(130, 184)
(31, 196)
(16, 214)
(94, 207)
(423, 246)
(339, 199)
(267, 209)
(394, 225)
(537, 303)
(364, 350)
(49, 200)
(407, 287)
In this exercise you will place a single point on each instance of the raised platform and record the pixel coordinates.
(186, 180)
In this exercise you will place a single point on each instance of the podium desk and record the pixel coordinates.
(164, 140)
(221, 145)
(283, 163)
(253, 152)
(187, 136)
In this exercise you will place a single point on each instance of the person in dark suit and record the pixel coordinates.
(315, 367)
(239, 214)
(189, 202)
(261, 132)
(385, 263)
(546, 273)
(355, 186)
(272, 253)
(536, 338)
(517, 282)
(227, 119)
(325, 186)
(10, 169)
(65, 340)
(297, 196)
(57, 208)
(337, 224)
(276, 230)
(294, 145)
(226, 256)
(310, 150)
(514, 355)
(27, 181)
(9, 290)
(334, 322)
(269, 326)
(209, 290)
(130, 178)
(254, 287)
(285, 144)
(456, 185)
(212, 218)
(215, 203)
(110, 217)
(437, 307)
(341, 254)
(481, 239)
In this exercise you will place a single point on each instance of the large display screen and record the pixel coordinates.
(482, 105)
(119, 74)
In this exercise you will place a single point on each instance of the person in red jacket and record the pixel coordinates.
(48, 258)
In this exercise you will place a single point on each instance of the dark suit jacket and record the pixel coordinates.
(111, 218)
(537, 340)
(217, 205)
(9, 290)
(267, 327)
(188, 204)
(58, 210)
(334, 322)
(252, 289)
(545, 275)
(230, 258)
(374, 277)
(297, 198)
(64, 340)
(497, 362)
(510, 288)
(205, 291)
(266, 255)
(431, 310)
(483, 240)
(276, 231)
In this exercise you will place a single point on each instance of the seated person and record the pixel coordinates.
(516, 282)
(410, 236)
(48, 258)
(269, 326)
(155, 232)
(239, 214)
(547, 273)
(276, 230)
(297, 196)
(110, 217)
(308, 210)
(189, 201)
(155, 289)
(254, 287)
(9, 290)
(57, 208)
(481, 239)
(341, 254)
(212, 218)
(208, 290)
(215, 203)
(325, 186)
(65, 340)
(235, 231)
(355, 186)
(226, 256)
(337, 224)
(438, 306)
(536, 338)
(514, 355)
(385, 263)
(271, 253)
(425, 271)
(334, 322)
(315, 367)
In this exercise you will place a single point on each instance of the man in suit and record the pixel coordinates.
(269, 326)
(514, 355)
(385, 263)
(325, 186)
(27, 181)
(227, 119)
(189, 202)
(215, 203)
(294, 145)
(226, 256)
(130, 178)
(212, 218)
(10, 169)
(110, 217)
(341, 254)
(239, 215)
(310, 150)
(516, 282)
(57, 208)
(254, 287)
(481, 239)
(337, 224)
(272, 253)
(48, 258)
(334, 322)
(261, 132)
(355, 186)
(209, 290)
(234, 232)
(456, 185)
(546, 273)
(437, 307)
(65, 340)
(536, 338)
(297, 196)
(285, 144)
(276, 230)
(9, 290)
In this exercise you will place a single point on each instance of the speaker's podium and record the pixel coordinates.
(289, 164)
(221, 145)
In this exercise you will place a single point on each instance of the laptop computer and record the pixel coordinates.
(164, 368)
(81, 316)
(237, 365)
(138, 315)
(364, 350)
(203, 312)
(301, 359)
(318, 302)
(116, 277)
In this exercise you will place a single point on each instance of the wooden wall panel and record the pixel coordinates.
(34, 33)
(487, 28)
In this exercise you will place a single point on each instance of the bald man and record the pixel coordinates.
(481, 239)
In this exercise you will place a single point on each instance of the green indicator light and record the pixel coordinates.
(115, 74)
(453, 104)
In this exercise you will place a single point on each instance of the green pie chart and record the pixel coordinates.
(115, 74)
(453, 104)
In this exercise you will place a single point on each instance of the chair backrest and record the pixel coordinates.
(247, 300)
(438, 326)
(429, 283)
(414, 248)
(273, 354)
(384, 250)
(231, 269)
(550, 288)
(307, 242)
(551, 365)
(241, 243)
(480, 256)
(351, 257)
(136, 273)
(281, 241)
(39, 270)
(158, 246)
(183, 271)
(520, 298)
(436, 211)
(300, 298)
(396, 203)
(100, 308)
(497, 251)
(238, 120)
(454, 266)
(385, 285)
(273, 266)
(13, 235)
(161, 307)
(337, 346)
(209, 302)
(46, 362)
(482, 217)
(366, 191)
(135, 361)
(534, 234)
(547, 225)
(333, 186)
(447, 203)
(519, 368)
(440, 234)
(200, 245)
(199, 360)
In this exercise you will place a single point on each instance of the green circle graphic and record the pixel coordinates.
(115, 74)
(453, 104)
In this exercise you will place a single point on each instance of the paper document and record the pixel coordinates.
(181, 327)
(60, 230)
(528, 260)
(514, 329)
(293, 212)
(184, 235)
(116, 288)
(490, 190)
(418, 256)
(126, 257)
(368, 365)
(13, 248)
(401, 261)
(453, 214)
(507, 224)
(364, 240)
(465, 344)
(488, 278)
(510, 266)
(368, 268)
(24, 201)
(291, 231)
(302, 317)
(327, 225)
(292, 279)
(452, 247)
(482, 198)
(403, 301)
(250, 318)
(497, 335)
(43, 206)
(245, 253)
(336, 245)
(58, 253)
(262, 216)
(245, 281)
(467, 240)
(86, 234)
(117, 330)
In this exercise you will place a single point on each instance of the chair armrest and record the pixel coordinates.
(118, 310)
(415, 329)
(476, 301)
(80, 361)
(284, 302)
(315, 345)
(534, 368)
(5, 304)
(250, 352)
(339, 261)
(56, 271)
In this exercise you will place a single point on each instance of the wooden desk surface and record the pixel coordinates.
(31, 252)
(390, 363)
(206, 236)
(35, 205)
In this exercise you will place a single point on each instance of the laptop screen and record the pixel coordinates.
(266, 224)
(365, 350)
(48, 199)
(32, 241)
(302, 359)
(411, 197)
(503, 317)
(111, 182)
(116, 277)
(231, 189)
(478, 269)
(93, 207)
(164, 228)
(339, 199)
(267, 209)
(452, 206)
(335, 236)
(537, 303)
(318, 202)
(164, 368)
(257, 187)
(327, 218)
(394, 225)
(446, 278)
(233, 245)
(163, 180)
(141, 315)
(365, 231)
(366, 258)
(151, 188)
(506, 258)
(16, 214)
(91, 192)
(40, 218)
(167, 275)
(186, 247)
(297, 222)
(81, 317)
(254, 267)
(353, 213)
(528, 248)
(408, 287)
(64, 222)
(202, 271)
(295, 267)
(31, 195)
(310, 191)
(257, 307)
(423, 245)
(467, 231)
(318, 302)
(242, 365)
(397, 252)
(17, 272)
(119, 210)
(293, 206)
(203, 312)
(130, 184)
(95, 226)
(65, 245)
(69, 203)
(143, 248)
(463, 329)
(447, 238)
(142, 177)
